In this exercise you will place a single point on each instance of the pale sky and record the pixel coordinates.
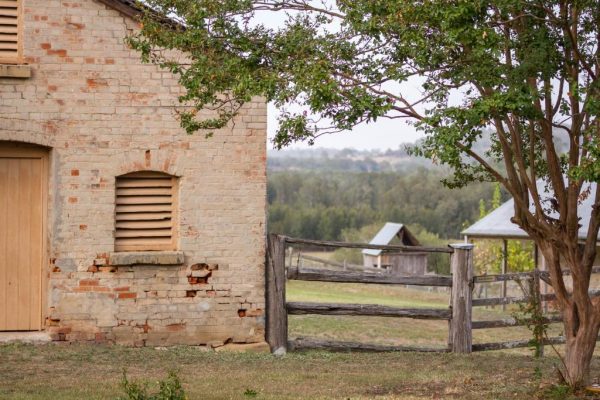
(383, 134)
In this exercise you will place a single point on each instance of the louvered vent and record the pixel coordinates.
(145, 212)
(10, 31)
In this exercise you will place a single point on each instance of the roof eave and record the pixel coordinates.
(126, 9)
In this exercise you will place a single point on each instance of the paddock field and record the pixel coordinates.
(394, 331)
(75, 372)
(56, 372)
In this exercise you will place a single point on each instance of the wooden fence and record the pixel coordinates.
(278, 309)
(458, 314)
(535, 297)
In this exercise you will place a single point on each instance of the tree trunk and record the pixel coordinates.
(581, 321)
(579, 350)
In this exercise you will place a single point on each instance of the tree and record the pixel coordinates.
(526, 69)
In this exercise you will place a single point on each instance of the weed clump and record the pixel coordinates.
(168, 389)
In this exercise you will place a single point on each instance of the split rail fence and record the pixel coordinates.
(458, 314)
(532, 282)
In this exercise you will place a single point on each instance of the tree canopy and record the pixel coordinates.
(527, 69)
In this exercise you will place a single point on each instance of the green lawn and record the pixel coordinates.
(387, 330)
(388, 295)
(56, 372)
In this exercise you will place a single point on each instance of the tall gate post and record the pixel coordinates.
(462, 296)
(276, 318)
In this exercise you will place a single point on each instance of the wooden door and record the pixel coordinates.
(22, 252)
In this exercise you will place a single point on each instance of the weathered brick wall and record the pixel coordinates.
(103, 113)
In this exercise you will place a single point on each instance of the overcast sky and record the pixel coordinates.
(384, 134)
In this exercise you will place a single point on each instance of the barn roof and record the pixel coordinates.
(498, 225)
(389, 231)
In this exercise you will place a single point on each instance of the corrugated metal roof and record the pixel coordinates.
(383, 237)
(497, 224)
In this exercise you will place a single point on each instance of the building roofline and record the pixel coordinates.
(124, 7)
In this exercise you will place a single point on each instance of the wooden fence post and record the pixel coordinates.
(462, 292)
(504, 269)
(276, 318)
(538, 312)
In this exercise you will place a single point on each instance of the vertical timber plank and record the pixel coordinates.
(504, 269)
(12, 248)
(277, 320)
(450, 307)
(24, 270)
(536, 292)
(3, 243)
(36, 240)
(462, 296)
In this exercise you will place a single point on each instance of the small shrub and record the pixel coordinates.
(168, 389)
(532, 315)
(558, 392)
(250, 393)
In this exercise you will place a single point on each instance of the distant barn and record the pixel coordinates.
(398, 263)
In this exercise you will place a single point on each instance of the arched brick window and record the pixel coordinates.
(146, 212)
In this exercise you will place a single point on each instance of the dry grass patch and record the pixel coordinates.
(389, 330)
(93, 372)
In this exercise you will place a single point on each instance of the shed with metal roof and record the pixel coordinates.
(398, 263)
(498, 225)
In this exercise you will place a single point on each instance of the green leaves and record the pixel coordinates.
(519, 67)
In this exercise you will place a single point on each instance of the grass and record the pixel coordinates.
(390, 331)
(388, 295)
(57, 372)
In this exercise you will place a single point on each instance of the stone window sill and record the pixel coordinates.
(22, 71)
(147, 258)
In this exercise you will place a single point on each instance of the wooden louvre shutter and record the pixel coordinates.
(11, 31)
(145, 212)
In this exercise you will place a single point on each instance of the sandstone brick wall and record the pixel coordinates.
(102, 114)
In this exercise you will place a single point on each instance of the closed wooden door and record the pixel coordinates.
(22, 215)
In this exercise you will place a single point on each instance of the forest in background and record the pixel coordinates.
(348, 195)
(336, 194)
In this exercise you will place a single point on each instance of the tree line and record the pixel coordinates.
(324, 205)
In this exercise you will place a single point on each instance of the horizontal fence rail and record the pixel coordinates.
(517, 276)
(515, 344)
(298, 308)
(533, 278)
(279, 309)
(494, 301)
(508, 322)
(308, 343)
(347, 245)
(459, 314)
(344, 266)
(326, 275)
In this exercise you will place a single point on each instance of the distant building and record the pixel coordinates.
(498, 223)
(398, 263)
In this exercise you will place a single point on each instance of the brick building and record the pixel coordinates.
(115, 225)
